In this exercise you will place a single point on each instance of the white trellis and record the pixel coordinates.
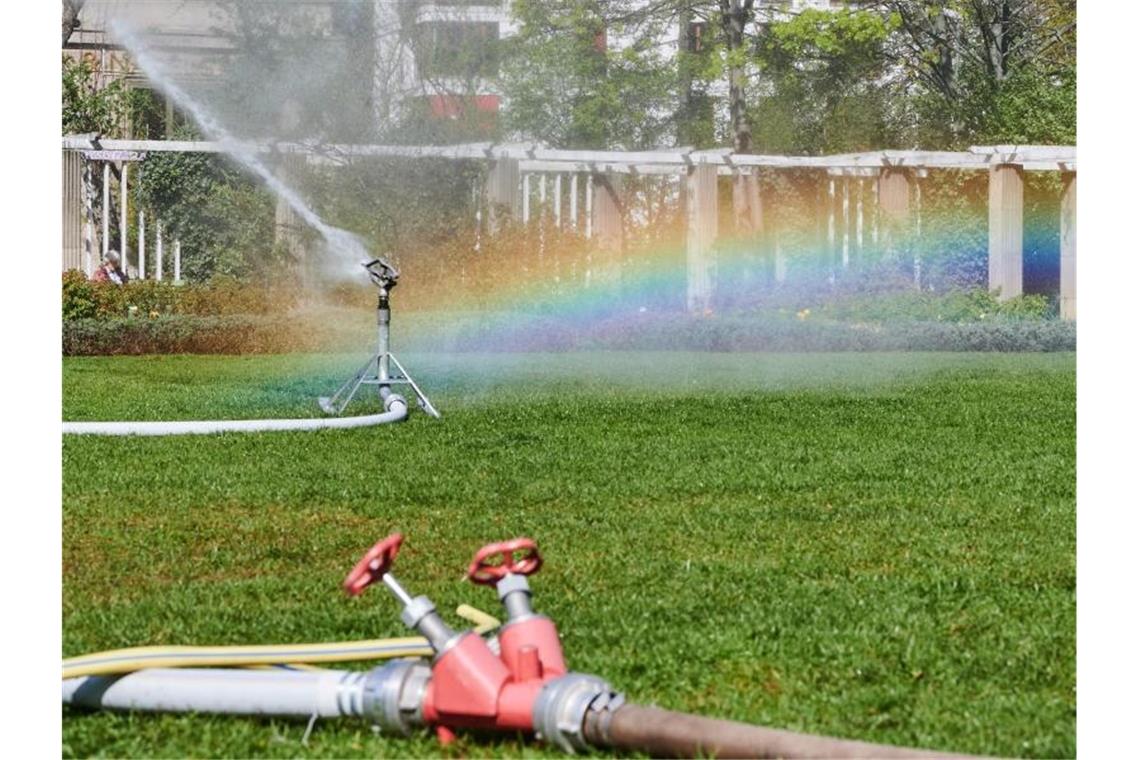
(112, 158)
(510, 186)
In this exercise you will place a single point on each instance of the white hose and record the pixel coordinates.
(295, 693)
(397, 411)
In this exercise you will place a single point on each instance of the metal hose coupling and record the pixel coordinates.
(563, 705)
(394, 695)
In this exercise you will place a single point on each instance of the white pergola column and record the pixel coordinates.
(158, 250)
(501, 191)
(846, 222)
(106, 208)
(177, 261)
(875, 213)
(894, 205)
(1007, 209)
(574, 201)
(1069, 246)
(780, 262)
(123, 242)
(142, 245)
(748, 210)
(88, 219)
(558, 201)
(831, 225)
(526, 198)
(606, 213)
(919, 175)
(701, 228)
(589, 207)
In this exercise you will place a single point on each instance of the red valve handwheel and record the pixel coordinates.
(374, 564)
(484, 569)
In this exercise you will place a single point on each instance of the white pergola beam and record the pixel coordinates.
(537, 158)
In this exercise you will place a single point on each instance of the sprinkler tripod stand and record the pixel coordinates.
(378, 369)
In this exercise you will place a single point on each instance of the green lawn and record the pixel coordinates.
(878, 547)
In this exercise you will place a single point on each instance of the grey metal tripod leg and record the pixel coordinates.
(425, 404)
(335, 404)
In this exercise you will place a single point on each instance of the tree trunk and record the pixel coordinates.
(734, 16)
(746, 210)
(71, 10)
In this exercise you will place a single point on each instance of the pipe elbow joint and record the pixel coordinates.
(395, 402)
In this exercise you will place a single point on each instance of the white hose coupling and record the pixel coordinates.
(394, 695)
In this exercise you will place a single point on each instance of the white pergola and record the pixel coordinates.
(508, 189)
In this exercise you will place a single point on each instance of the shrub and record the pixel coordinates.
(187, 334)
(83, 299)
(80, 299)
(958, 306)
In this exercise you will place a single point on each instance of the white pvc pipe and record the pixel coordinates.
(397, 411)
(234, 691)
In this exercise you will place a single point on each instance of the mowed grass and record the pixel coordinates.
(878, 547)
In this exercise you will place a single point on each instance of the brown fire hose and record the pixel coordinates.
(663, 733)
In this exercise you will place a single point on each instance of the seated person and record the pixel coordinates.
(110, 270)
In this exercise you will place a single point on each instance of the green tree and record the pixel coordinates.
(825, 70)
(566, 86)
(87, 107)
(986, 70)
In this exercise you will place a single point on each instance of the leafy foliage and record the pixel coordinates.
(567, 87)
(89, 107)
(994, 71)
(148, 299)
(825, 69)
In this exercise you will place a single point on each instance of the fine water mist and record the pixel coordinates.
(281, 76)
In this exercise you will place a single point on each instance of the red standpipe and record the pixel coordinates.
(526, 687)
(470, 685)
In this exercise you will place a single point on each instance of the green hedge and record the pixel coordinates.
(440, 332)
(182, 334)
(83, 299)
(741, 334)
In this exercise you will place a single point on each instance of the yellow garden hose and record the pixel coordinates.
(117, 661)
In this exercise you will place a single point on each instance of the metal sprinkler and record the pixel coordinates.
(378, 369)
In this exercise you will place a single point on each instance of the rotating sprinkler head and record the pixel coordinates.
(382, 273)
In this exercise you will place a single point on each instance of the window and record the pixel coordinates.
(697, 38)
(458, 49)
